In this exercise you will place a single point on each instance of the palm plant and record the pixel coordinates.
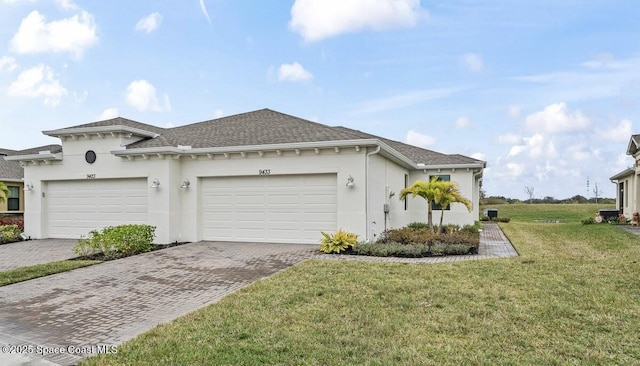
(428, 191)
(446, 194)
(4, 192)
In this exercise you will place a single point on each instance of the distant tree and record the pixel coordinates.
(597, 191)
(529, 191)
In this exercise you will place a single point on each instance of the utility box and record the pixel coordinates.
(491, 213)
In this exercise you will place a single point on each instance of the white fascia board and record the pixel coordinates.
(48, 156)
(625, 173)
(452, 166)
(11, 180)
(100, 129)
(246, 148)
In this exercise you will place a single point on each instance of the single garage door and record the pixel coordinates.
(270, 209)
(77, 207)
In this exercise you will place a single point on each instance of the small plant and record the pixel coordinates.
(9, 233)
(588, 221)
(418, 225)
(338, 242)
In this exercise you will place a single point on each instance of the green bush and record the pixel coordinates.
(338, 242)
(10, 233)
(391, 249)
(418, 225)
(117, 241)
(588, 221)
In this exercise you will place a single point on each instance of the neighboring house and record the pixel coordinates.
(11, 174)
(261, 176)
(628, 181)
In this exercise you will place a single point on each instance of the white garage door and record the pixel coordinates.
(271, 209)
(77, 207)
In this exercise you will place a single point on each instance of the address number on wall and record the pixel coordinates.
(91, 176)
(264, 171)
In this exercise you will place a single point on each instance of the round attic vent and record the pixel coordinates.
(90, 156)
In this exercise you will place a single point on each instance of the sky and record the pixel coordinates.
(546, 92)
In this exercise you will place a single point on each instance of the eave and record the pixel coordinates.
(100, 131)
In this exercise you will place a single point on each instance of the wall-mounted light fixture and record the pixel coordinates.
(185, 184)
(350, 182)
(28, 187)
(155, 184)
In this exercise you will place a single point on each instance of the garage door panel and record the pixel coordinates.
(286, 209)
(77, 207)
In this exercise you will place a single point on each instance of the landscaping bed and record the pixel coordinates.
(416, 240)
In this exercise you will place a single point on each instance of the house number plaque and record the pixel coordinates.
(264, 171)
(91, 176)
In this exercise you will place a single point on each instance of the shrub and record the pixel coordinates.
(117, 241)
(338, 242)
(407, 235)
(10, 233)
(418, 225)
(588, 221)
(503, 219)
(13, 221)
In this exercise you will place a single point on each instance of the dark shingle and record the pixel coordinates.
(119, 121)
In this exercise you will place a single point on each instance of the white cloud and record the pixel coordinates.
(144, 97)
(479, 156)
(108, 113)
(621, 133)
(293, 72)
(418, 139)
(404, 100)
(8, 63)
(219, 113)
(37, 82)
(535, 147)
(514, 170)
(578, 152)
(319, 19)
(149, 23)
(554, 118)
(509, 139)
(514, 111)
(72, 35)
(203, 8)
(67, 4)
(463, 122)
(473, 62)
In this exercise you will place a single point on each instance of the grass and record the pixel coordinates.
(40, 270)
(570, 212)
(572, 297)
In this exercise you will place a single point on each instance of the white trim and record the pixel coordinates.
(98, 130)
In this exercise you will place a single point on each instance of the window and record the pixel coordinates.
(13, 202)
(444, 178)
(406, 184)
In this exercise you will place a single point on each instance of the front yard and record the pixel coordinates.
(572, 297)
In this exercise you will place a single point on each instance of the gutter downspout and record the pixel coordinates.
(366, 189)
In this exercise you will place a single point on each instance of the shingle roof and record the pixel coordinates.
(267, 127)
(418, 154)
(12, 170)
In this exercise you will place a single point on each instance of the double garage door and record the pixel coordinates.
(276, 209)
(77, 207)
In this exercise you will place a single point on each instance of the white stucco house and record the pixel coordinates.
(628, 181)
(261, 176)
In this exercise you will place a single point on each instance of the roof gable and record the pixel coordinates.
(634, 145)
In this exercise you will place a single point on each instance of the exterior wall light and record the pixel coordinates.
(350, 182)
(155, 184)
(185, 184)
(28, 187)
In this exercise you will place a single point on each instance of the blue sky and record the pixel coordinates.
(547, 92)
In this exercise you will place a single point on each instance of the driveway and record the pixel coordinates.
(112, 302)
(31, 252)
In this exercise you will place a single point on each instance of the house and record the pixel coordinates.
(260, 176)
(628, 181)
(11, 174)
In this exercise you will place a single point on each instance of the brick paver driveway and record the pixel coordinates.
(112, 302)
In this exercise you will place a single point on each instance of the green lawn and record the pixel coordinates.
(572, 297)
(40, 270)
(525, 212)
